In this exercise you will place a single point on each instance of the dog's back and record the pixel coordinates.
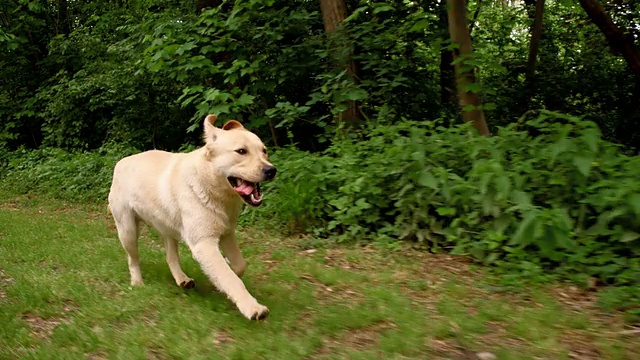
(136, 176)
(139, 187)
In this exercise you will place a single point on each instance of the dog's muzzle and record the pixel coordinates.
(269, 172)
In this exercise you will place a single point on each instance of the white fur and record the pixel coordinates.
(188, 197)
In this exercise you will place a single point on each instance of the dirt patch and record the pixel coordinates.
(96, 356)
(69, 306)
(5, 278)
(580, 346)
(325, 292)
(575, 298)
(303, 324)
(156, 354)
(447, 349)
(498, 336)
(353, 339)
(42, 328)
(221, 338)
(336, 258)
(10, 206)
(366, 337)
(5, 281)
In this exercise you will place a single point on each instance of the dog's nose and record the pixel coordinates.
(269, 172)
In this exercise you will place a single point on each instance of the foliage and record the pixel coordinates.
(562, 200)
(79, 176)
(82, 75)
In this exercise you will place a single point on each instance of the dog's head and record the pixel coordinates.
(240, 156)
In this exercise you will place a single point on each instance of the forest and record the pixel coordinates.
(503, 130)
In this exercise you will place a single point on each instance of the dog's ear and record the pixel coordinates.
(232, 124)
(209, 128)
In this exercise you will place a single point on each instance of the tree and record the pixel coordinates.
(333, 14)
(468, 96)
(536, 34)
(615, 36)
(447, 73)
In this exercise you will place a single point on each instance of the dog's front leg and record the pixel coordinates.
(207, 253)
(232, 252)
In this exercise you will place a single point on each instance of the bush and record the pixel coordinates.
(546, 194)
(80, 176)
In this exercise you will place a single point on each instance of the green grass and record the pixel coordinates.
(65, 294)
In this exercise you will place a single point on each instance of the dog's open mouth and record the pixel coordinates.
(248, 191)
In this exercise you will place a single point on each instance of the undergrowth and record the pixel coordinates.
(546, 196)
(81, 176)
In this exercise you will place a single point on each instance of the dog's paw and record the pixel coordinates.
(188, 284)
(255, 312)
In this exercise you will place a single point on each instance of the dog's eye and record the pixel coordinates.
(264, 151)
(241, 151)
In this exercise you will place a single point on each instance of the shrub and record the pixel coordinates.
(562, 200)
(79, 176)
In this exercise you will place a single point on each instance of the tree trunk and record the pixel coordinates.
(64, 26)
(447, 73)
(536, 34)
(333, 14)
(469, 101)
(615, 36)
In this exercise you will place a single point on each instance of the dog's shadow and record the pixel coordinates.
(157, 272)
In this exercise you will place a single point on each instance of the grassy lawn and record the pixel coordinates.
(65, 294)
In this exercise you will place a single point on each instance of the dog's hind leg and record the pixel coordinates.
(127, 226)
(173, 260)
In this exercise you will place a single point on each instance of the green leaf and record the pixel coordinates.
(356, 13)
(547, 244)
(420, 25)
(634, 203)
(185, 47)
(583, 164)
(521, 198)
(472, 87)
(363, 204)
(491, 258)
(629, 236)
(446, 211)
(469, 107)
(382, 8)
(427, 179)
(563, 145)
(524, 234)
(489, 106)
(220, 109)
(357, 94)
(591, 137)
(244, 99)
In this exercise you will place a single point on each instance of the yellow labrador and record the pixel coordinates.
(196, 197)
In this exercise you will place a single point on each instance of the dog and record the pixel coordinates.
(196, 197)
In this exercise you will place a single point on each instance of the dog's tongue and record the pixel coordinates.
(245, 188)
